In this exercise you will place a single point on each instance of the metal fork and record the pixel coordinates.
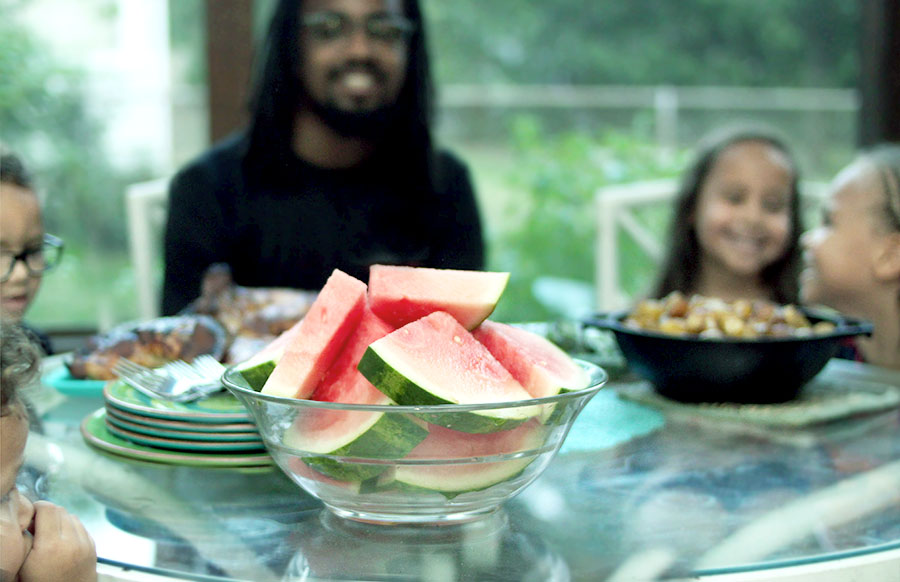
(177, 381)
(204, 371)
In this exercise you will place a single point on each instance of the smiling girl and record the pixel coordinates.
(852, 261)
(735, 232)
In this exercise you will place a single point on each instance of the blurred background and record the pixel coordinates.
(547, 102)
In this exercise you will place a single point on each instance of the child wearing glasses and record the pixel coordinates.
(736, 228)
(39, 542)
(852, 261)
(26, 251)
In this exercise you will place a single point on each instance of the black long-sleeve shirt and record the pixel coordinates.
(294, 228)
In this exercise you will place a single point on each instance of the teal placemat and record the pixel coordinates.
(607, 421)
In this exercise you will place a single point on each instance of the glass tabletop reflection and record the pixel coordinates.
(683, 490)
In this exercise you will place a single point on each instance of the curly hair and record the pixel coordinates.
(13, 171)
(19, 363)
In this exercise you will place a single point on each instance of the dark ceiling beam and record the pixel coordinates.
(879, 116)
(229, 57)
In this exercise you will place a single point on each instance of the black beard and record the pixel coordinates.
(358, 124)
(370, 124)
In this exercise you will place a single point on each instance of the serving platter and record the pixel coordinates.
(95, 432)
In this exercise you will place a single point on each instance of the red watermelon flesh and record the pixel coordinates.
(275, 348)
(444, 363)
(401, 295)
(538, 364)
(322, 332)
(343, 382)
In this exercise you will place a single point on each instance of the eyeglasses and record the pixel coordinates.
(36, 259)
(332, 27)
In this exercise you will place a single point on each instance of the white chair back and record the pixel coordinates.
(615, 208)
(146, 205)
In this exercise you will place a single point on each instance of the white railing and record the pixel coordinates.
(615, 208)
(146, 205)
(666, 101)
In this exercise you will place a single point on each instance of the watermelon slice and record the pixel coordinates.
(370, 435)
(343, 382)
(401, 295)
(257, 369)
(322, 332)
(455, 478)
(541, 367)
(436, 361)
(359, 434)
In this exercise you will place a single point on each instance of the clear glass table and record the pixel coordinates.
(642, 490)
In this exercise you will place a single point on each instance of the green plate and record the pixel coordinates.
(143, 431)
(177, 444)
(96, 434)
(219, 408)
(60, 379)
(181, 426)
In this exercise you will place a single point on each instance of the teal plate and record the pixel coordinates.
(219, 408)
(96, 434)
(119, 423)
(181, 425)
(182, 445)
(61, 380)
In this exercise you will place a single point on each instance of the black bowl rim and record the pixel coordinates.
(599, 379)
(845, 326)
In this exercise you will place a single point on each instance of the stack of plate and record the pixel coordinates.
(215, 431)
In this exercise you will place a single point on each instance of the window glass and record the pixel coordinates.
(551, 100)
(547, 101)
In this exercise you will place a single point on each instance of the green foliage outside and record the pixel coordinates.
(45, 119)
(791, 43)
(550, 229)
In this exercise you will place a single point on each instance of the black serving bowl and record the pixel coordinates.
(747, 371)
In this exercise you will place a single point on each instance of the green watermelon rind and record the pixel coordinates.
(256, 373)
(474, 478)
(450, 488)
(394, 381)
(390, 436)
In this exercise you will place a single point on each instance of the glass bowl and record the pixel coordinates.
(426, 473)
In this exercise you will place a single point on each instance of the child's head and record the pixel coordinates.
(853, 259)
(25, 250)
(737, 218)
(19, 361)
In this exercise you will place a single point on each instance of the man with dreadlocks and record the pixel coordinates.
(337, 168)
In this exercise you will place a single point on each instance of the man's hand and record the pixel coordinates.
(62, 550)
